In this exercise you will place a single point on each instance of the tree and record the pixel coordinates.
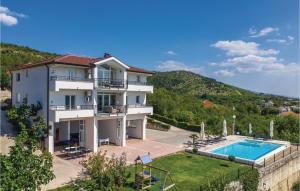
(103, 173)
(5, 79)
(26, 167)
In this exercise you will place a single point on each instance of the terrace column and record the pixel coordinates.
(68, 130)
(91, 139)
(144, 126)
(123, 131)
(49, 142)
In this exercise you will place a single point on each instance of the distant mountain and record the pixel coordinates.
(195, 84)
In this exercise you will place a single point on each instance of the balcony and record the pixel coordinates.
(139, 86)
(112, 110)
(139, 109)
(107, 83)
(58, 112)
(70, 83)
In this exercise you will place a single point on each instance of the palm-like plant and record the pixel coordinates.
(194, 138)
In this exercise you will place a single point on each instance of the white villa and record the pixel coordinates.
(86, 100)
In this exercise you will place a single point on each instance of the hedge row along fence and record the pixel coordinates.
(183, 125)
(248, 178)
(152, 124)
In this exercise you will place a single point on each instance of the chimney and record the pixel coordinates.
(107, 55)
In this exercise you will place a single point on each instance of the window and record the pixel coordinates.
(138, 78)
(18, 77)
(112, 99)
(132, 123)
(137, 99)
(26, 73)
(18, 97)
(70, 102)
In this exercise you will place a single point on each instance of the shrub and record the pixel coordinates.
(250, 180)
(296, 186)
(231, 158)
(195, 150)
(104, 173)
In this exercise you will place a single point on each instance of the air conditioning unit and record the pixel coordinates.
(88, 93)
(88, 96)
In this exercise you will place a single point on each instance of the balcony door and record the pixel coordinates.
(70, 102)
(105, 100)
(71, 74)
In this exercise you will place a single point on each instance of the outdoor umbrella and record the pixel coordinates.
(224, 128)
(250, 129)
(271, 128)
(202, 134)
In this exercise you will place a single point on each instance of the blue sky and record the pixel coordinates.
(249, 44)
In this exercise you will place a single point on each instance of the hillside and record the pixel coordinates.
(188, 82)
(178, 96)
(13, 56)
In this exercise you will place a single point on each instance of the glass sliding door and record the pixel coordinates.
(73, 102)
(70, 102)
(67, 102)
(106, 100)
(99, 102)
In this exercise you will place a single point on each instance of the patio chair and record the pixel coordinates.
(109, 109)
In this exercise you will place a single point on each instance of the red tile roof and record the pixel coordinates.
(78, 61)
(139, 70)
(65, 59)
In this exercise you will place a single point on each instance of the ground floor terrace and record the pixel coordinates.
(158, 143)
(95, 132)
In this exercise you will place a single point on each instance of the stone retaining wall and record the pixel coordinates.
(281, 175)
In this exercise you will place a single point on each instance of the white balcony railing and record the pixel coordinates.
(139, 86)
(139, 109)
(70, 112)
(70, 82)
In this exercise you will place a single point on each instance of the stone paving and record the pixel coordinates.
(158, 143)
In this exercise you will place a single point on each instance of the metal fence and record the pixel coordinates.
(294, 147)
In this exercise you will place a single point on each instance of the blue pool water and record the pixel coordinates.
(247, 149)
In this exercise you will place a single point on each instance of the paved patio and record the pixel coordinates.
(158, 143)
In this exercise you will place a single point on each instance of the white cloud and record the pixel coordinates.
(8, 20)
(225, 73)
(172, 65)
(263, 32)
(289, 40)
(213, 64)
(252, 59)
(247, 57)
(170, 52)
(240, 48)
(252, 31)
(8, 17)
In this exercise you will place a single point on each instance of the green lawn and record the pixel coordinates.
(189, 171)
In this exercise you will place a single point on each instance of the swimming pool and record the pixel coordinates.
(247, 149)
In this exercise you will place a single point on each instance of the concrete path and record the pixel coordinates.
(6, 129)
(7, 132)
(64, 172)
